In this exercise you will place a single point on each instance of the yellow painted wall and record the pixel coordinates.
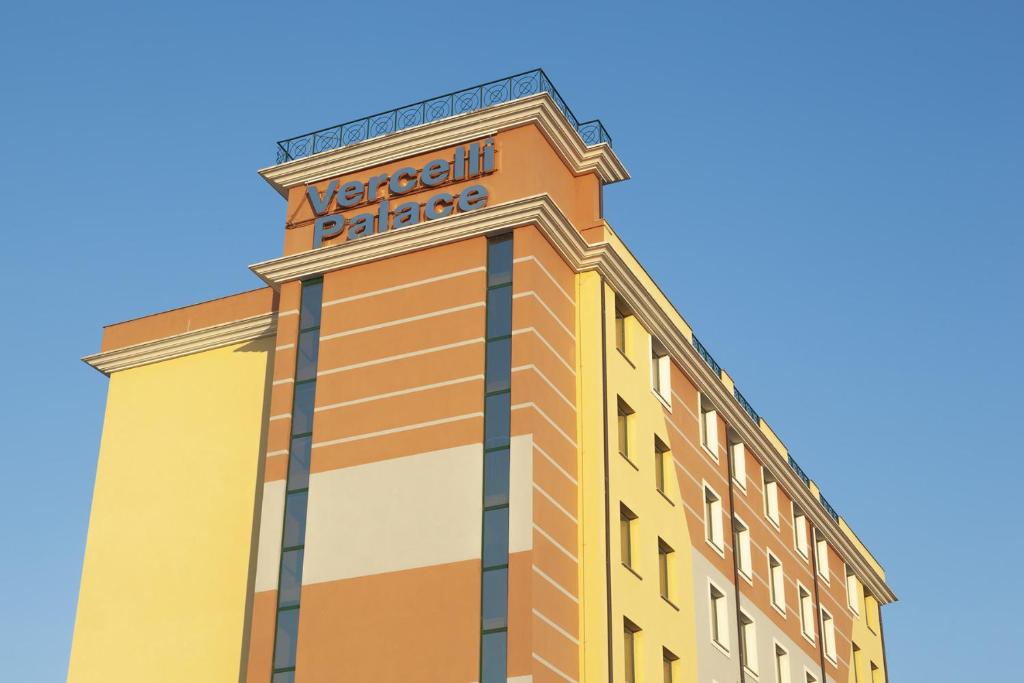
(632, 483)
(167, 560)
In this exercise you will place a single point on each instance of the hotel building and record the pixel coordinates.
(458, 434)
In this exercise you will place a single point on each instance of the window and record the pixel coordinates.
(828, 635)
(668, 666)
(748, 643)
(742, 547)
(809, 677)
(876, 674)
(821, 557)
(800, 535)
(738, 456)
(713, 519)
(806, 613)
(624, 420)
(665, 561)
(781, 664)
(708, 427)
(719, 618)
(771, 496)
(660, 371)
(871, 611)
(858, 665)
(626, 519)
(621, 328)
(852, 590)
(662, 459)
(629, 634)
(776, 583)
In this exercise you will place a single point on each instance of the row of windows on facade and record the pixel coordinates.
(714, 512)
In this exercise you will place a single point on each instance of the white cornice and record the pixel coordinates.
(184, 344)
(542, 212)
(539, 109)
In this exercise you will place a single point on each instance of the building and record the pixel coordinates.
(458, 435)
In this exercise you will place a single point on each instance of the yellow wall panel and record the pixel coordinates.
(168, 556)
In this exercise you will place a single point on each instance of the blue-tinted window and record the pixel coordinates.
(499, 312)
(499, 261)
(312, 297)
(287, 638)
(492, 655)
(308, 348)
(495, 599)
(284, 677)
(496, 475)
(295, 519)
(298, 462)
(499, 365)
(497, 419)
(302, 408)
(495, 537)
(291, 578)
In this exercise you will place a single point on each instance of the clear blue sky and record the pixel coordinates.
(832, 193)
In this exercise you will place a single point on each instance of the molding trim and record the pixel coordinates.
(183, 344)
(542, 212)
(539, 109)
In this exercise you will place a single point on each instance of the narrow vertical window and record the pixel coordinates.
(708, 427)
(624, 422)
(293, 536)
(801, 537)
(828, 635)
(497, 438)
(776, 583)
(821, 557)
(871, 613)
(660, 371)
(748, 643)
(738, 456)
(626, 519)
(806, 612)
(719, 617)
(771, 496)
(781, 664)
(713, 519)
(742, 548)
(662, 458)
(858, 665)
(665, 569)
(620, 329)
(876, 674)
(809, 677)
(668, 666)
(629, 638)
(852, 590)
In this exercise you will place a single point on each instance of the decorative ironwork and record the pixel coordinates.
(829, 509)
(706, 356)
(437, 108)
(800, 471)
(746, 406)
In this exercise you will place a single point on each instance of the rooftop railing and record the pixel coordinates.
(435, 109)
(746, 406)
(799, 470)
(703, 352)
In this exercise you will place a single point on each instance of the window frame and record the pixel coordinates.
(822, 568)
(852, 590)
(666, 563)
(739, 474)
(780, 675)
(747, 553)
(624, 429)
(773, 591)
(627, 520)
(708, 436)
(713, 522)
(718, 622)
(807, 630)
(748, 651)
(804, 550)
(771, 502)
(828, 635)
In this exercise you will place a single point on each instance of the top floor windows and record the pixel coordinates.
(708, 427)
(660, 375)
(738, 458)
(801, 536)
(771, 497)
(621, 328)
(821, 557)
(852, 590)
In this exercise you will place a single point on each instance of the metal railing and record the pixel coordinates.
(435, 109)
(707, 357)
(799, 470)
(746, 406)
(828, 508)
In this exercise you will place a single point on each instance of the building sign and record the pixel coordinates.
(467, 162)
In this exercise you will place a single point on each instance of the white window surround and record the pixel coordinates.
(742, 548)
(661, 376)
(738, 454)
(708, 427)
(821, 554)
(776, 583)
(771, 497)
(714, 532)
(805, 606)
(852, 591)
(748, 633)
(809, 676)
(828, 636)
(801, 535)
(781, 663)
(718, 615)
